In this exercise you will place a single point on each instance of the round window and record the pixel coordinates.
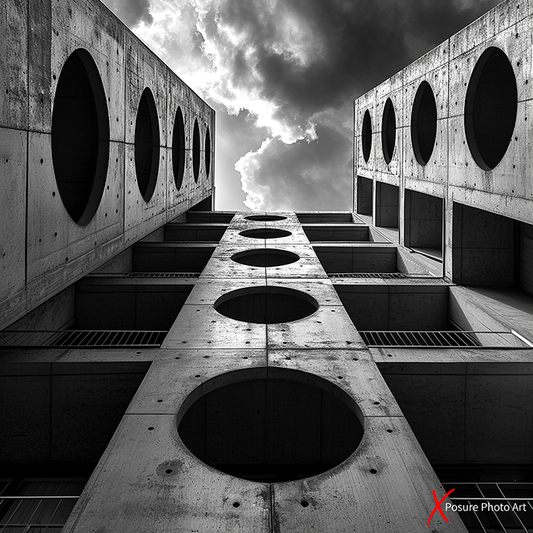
(490, 108)
(80, 137)
(147, 145)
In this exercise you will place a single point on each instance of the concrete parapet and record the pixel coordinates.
(461, 128)
(89, 164)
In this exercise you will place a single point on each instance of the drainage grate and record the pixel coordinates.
(81, 339)
(502, 507)
(455, 339)
(145, 275)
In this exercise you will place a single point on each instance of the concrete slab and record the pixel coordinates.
(167, 485)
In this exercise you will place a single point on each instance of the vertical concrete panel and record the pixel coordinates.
(86, 407)
(483, 253)
(144, 70)
(423, 220)
(39, 66)
(364, 196)
(434, 406)
(105, 310)
(13, 152)
(392, 88)
(433, 69)
(387, 205)
(464, 171)
(25, 415)
(423, 308)
(56, 244)
(499, 419)
(367, 307)
(14, 64)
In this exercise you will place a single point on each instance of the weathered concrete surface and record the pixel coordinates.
(38, 37)
(385, 484)
(451, 173)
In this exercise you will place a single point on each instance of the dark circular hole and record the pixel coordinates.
(304, 503)
(266, 305)
(207, 149)
(265, 233)
(147, 145)
(373, 471)
(265, 218)
(490, 108)
(80, 136)
(168, 471)
(150, 428)
(266, 257)
(424, 123)
(366, 135)
(196, 150)
(178, 149)
(236, 504)
(388, 131)
(264, 429)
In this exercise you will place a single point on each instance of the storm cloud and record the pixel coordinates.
(294, 67)
(131, 12)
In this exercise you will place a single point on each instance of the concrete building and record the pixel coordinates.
(167, 367)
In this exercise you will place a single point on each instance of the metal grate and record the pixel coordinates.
(81, 338)
(454, 339)
(35, 513)
(381, 275)
(145, 275)
(493, 507)
(37, 505)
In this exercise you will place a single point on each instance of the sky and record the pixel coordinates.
(282, 76)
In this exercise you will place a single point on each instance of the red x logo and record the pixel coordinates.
(438, 505)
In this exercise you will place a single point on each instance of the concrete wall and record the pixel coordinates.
(43, 247)
(64, 408)
(455, 71)
(467, 413)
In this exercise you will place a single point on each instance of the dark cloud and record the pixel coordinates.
(131, 12)
(353, 44)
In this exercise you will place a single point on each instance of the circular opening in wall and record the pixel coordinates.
(388, 131)
(207, 153)
(490, 108)
(147, 145)
(178, 148)
(266, 305)
(80, 137)
(265, 233)
(270, 424)
(265, 257)
(366, 136)
(196, 150)
(265, 218)
(424, 123)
